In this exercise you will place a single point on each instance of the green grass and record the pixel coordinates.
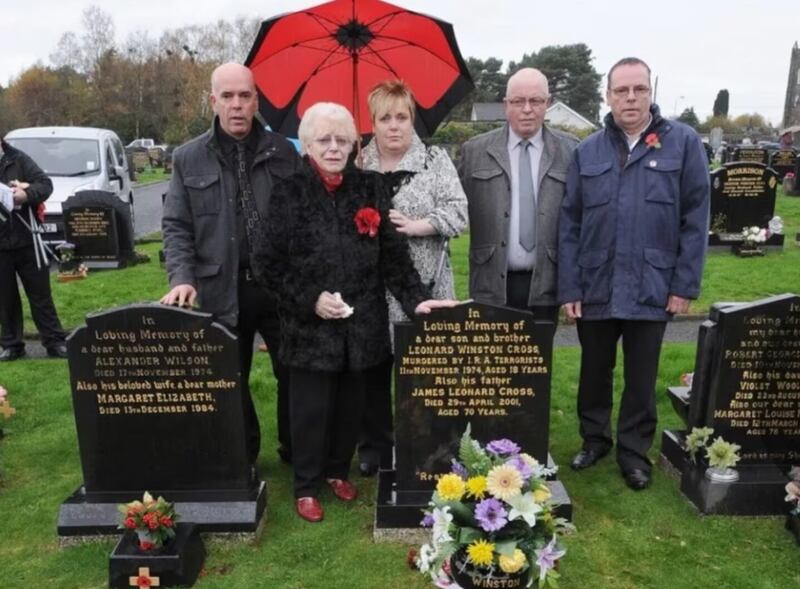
(151, 175)
(625, 540)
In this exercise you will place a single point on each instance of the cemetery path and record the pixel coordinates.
(566, 335)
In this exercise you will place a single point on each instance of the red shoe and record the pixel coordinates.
(309, 508)
(344, 490)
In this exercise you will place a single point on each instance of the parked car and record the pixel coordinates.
(75, 158)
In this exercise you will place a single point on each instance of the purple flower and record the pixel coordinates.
(459, 469)
(546, 558)
(491, 515)
(427, 521)
(503, 446)
(519, 463)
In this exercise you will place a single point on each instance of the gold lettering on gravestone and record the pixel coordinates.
(766, 368)
(744, 182)
(474, 364)
(89, 223)
(148, 371)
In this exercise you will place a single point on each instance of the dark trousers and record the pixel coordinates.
(326, 409)
(258, 314)
(36, 282)
(636, 425)
(377, 430)
(518, 286)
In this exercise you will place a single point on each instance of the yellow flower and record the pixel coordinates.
(504, 482)
(529, 460)
(476, 487)
(541, 494)
(450, 487)
(511, 564)
(481, 553)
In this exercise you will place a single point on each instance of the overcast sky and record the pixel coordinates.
(695, 47)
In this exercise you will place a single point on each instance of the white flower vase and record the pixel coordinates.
(722, 475)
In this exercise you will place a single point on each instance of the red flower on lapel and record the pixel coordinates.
(652, 141)
(367, 221)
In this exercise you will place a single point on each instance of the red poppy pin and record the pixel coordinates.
(652, 141)
(367, 221)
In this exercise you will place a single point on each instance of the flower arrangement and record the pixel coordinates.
(6, 410)
(492, 517)
(719, 453)
(793, 497)
(153, 520)
(367, 221)
(753, 235)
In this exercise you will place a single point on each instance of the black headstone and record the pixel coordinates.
(476, 364)
(747, 388)
(783, 161)
(158, 408)
(99, 224)
(742, 195)
(750, 154)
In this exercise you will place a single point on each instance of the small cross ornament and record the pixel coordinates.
(143, 579)
(7, 410)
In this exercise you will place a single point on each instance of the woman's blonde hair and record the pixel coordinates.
(386, 94)
(331, 111)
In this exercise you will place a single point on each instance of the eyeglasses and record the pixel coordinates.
(520, 102)
(339, 140)
(624, 91)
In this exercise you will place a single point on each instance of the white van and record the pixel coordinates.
(75, 158)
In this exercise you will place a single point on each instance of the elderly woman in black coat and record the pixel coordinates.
(329, 252)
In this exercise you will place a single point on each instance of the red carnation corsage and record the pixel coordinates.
(367, 221)
(652, 141)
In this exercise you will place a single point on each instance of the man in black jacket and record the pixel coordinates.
(31, 187)
(217, 198)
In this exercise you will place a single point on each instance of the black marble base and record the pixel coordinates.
(403, 509)
(759, 490)
(679, 397)
(105, 264)
(177, 563)
(214, 512)
(793, 525)
(725, 241)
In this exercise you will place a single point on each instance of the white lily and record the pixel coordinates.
(525, 507)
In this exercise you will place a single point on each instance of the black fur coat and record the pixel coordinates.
(310, 244)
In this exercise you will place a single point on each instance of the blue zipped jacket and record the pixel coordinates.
(633, 227)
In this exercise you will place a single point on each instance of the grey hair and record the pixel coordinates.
(627, 61)
(325, 110)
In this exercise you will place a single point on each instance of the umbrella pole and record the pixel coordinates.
(356, 105)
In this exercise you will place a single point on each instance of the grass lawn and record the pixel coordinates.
(151, 175)
(625, 540)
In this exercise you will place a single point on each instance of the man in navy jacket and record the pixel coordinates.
(632, 240)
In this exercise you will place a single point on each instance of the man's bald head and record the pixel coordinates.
(234, 98)
(527, 97)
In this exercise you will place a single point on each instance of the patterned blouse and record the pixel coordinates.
(432, 193)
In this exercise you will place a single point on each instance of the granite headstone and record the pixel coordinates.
(99, 224)
(158, 408)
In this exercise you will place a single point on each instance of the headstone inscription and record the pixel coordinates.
(158, 408)
(742, 195)
(748, 391)
(99, 224)
(476, 364)
(783, 161)
(750, 154)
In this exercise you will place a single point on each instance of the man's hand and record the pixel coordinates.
(676, 304)
(425, 307)
(573, 310)
(20, 196)
(183, 295)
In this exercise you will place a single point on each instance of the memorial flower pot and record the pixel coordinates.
(747, 250)
(722, 475)
(177, 562)
(470, 577)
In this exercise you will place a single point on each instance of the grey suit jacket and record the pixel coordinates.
(485, 173)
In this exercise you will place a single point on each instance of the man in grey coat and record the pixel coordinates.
(514, 178)
(216, 203)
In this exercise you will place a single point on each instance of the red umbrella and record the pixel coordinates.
(338, 51)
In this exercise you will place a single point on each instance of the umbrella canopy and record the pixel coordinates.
(338, 51)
